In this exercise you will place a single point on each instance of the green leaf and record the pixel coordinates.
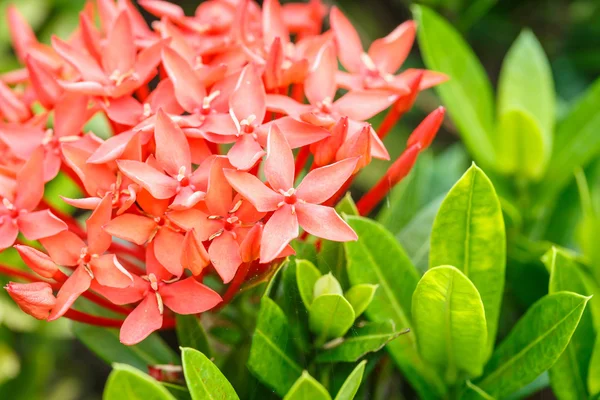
(534, 344)
(468, 95)
(290, 300)
(272, 359)
(376, 258)
(569, 375)
(330, 316)
(468, 233)
(105, 343)
(526, 109)
(360, 296)
(126, 382)
(190, 333)
(576, 143)
(179, 392)
(366, 339)
(352, 383)
(204, 380)
(327, 284)
(593, 382)
(307, 388)
(449, 322)
(306, 276)
(474, 392)
(347, 206)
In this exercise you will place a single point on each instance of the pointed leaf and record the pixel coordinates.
(360, 296)
(204, 380)
(307, 387)
(126, 382)
(306, 275)
(327, 284)
(330, 316)
(352, 383)
(191, 333)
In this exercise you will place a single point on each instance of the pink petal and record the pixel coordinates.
(21, 139)
(78, 282)
(427, 129)
(390, 52)
(87, 203)
(325, 150)
(251, 188)
(112, 148)
(189, 90)
(273, 24)
(219, 124)
(141, 322)
(285, 105)
(197, 220)
(70, 115)
(8, 232)
(109, 272)
(362, 105)
(90, 36)
(167, 249)
(199, 150)
(21, 33)
(172, 149)
(133, 228)
(249, 97)
(147, 61)
(189, 296)
(40, 224)
(90, 88)
(187, 198)
(83, 63)
(224, 252)
(98, 239)
(120, 296)
(279, 164)
(156, 208)
(347, 39)
(357, 145)
(94, 177)
(125, 110)
(39, 262)
(245, 153)
(322, 183)
(250, 246)
(30, 181)
(324, 222)
(11, 106)
(118, 53)
(44, 83)
(219, 194)
(158, 184)
(64, 248)
(161, 8)
(320, 82)
(194, 256)
(279, 230)
(153, 266)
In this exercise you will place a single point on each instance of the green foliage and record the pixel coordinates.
(449, 322)
(360, 296)
(330, 316)
(190, 333)
(126, 382)
(204, 379)
(307, 275)
(352, 383)
(307, 388)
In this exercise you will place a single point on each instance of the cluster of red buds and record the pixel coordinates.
(198, 176)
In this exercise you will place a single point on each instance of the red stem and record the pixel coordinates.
(6, 270)
(234, 287)
(391, 118)
(92, 319)
(301, 160)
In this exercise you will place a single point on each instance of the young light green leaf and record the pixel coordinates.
(190, 333)
(290, 300)
(526, 109)
(360, 296)
(468, 233)
(568, 376)
(306, 276)
(327, 284)
(534, 344)
(272, 359)
(330, 316)
(593, 382)
(449, 321)
(177, 391)
(474, 392)
(204, 380)
(105, 343)
(468, 95)
(347, 206)
(126, 382)
(307, 388)
(377, 258)
(366, 339)
(352, 383)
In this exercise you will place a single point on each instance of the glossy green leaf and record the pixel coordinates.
(360, 341)
(126, 382)
(330, 316)
(576, 143)
(272, 358)
(327, 284)
(204, 380)
(360, 296)
(569, 374)
(290, 300)
(105, 343)
(376, 258)
(347, 206)
(307, 388)
(468, 95)
(526, 109)
(593, 382)
(190, 333)
(449, 322)
(306, 276)
(474, 392)
(352, 383)
(178, 391)
(534, 344)
(468, 233)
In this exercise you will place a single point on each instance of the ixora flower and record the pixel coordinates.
(205, 172)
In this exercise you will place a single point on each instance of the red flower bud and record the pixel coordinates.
(36, 260)
(35, 299)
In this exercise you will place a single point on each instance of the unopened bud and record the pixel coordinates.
(35, 299)
(39, 262)
(427, 129)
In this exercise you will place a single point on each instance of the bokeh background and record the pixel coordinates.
(44, 361)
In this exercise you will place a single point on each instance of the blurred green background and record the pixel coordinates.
(43, 361)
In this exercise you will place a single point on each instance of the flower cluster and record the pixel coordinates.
(199, 175)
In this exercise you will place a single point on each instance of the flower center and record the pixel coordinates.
(118, 77)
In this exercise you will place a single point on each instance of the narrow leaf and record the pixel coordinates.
(190, 333)
(307, 388)
(593, 382)
(204, 380)
(352, 383)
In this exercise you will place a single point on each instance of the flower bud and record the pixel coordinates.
(39, 262)
(35, 299)
(427, 129)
